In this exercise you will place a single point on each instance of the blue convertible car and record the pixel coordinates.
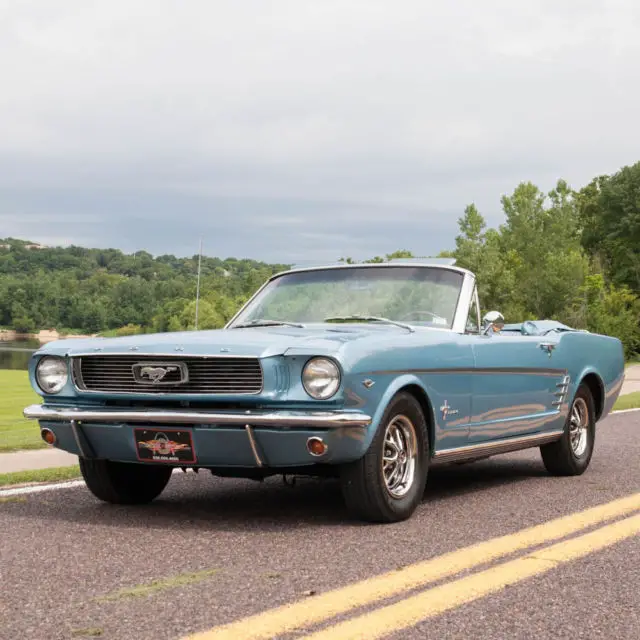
(367, 372)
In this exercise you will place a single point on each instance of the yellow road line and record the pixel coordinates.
(432, 602)
(322, 607)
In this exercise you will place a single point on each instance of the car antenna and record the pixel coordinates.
(198, 285)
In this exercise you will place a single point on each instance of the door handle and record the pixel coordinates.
(547, 346)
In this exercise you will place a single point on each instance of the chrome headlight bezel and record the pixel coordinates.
(314, 370)
(62, 374)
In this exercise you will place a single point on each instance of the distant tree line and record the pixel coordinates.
(568, 255)
(92, 290)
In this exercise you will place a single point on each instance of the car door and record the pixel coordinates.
(517, 385)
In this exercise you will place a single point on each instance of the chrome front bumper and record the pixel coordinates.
(301, 419)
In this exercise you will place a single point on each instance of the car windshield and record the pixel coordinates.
(415, 295)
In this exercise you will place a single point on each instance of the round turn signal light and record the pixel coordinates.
(316, 446)
(48, 436)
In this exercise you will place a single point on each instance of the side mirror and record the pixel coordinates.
(493, 321)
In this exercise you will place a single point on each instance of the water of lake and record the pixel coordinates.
(15, 355)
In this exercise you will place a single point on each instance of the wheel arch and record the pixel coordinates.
(411, 385)
(422, 397)
(596, 386)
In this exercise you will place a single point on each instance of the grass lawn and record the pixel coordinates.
(628, 401)
(54, 474)
(15, 394)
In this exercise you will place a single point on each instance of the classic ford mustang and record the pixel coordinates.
(367, 372)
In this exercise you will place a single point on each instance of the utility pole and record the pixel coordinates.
(198, 286)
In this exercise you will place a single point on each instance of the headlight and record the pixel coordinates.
(52, 374)
(320, 378)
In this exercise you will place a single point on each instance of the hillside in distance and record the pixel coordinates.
(76, 289)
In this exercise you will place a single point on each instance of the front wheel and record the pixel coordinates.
(571, 455)
(388, 482)
(124, 482)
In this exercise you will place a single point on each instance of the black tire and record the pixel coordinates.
(561, 458)
(365, 491)
(123, 482)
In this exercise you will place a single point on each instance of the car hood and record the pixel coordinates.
(259, 342)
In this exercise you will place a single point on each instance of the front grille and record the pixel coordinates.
(214, 375)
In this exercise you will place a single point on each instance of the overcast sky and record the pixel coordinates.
(291, 130)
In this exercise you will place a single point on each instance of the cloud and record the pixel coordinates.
(356, 127)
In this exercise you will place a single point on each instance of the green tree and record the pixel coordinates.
(470, 244)
(610, 220)
(608, 310)
(21, 320)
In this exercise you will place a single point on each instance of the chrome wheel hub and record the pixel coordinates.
(578, 427)
(399, 456)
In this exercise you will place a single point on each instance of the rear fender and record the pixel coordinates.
(608, 392)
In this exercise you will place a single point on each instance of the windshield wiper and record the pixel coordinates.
(369, 319)
(267, 323)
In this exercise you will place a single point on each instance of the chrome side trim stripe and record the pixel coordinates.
(471, 371)
(301, 419)
(496, 447)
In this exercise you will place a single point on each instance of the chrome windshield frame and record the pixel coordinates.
(465, 295)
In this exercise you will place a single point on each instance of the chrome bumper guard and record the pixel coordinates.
(300, 419)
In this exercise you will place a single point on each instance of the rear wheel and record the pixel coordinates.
(388, 482)
(571, 455)
(123, 482)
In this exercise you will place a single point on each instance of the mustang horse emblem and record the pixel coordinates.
(154, 373)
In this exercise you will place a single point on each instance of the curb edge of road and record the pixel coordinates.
(12, 490)
(39, 488)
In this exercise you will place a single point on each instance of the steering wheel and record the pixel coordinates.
(420, 311)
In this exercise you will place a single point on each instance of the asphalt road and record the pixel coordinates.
(211, 552)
